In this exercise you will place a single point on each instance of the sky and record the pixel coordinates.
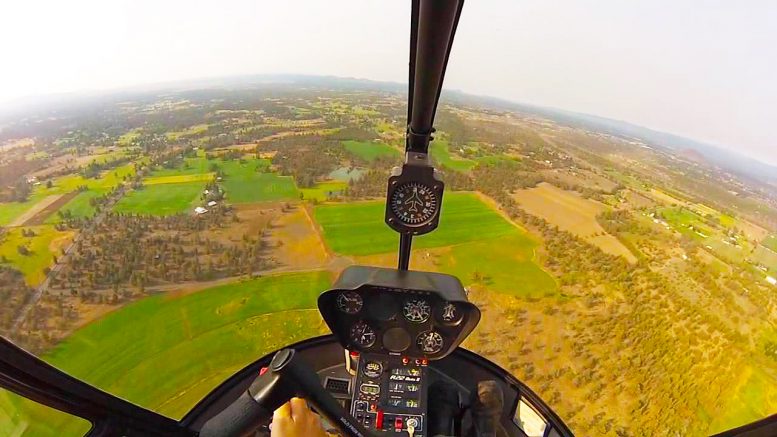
(705, 70)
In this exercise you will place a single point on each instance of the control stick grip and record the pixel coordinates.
(240, 418)
(288, 376)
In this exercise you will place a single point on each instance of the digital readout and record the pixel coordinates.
(406, 371)
(369, 389)
(403, 403)
(403, 387)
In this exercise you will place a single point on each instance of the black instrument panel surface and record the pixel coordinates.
(398, 321)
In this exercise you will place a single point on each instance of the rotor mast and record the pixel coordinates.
(433, 26)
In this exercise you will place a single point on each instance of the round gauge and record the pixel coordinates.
(416, 310)
(449, 314)
(373, 369)
(349, 302)
(362, 335)
(414, 203)
(429, 342)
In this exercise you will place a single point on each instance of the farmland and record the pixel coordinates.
(227, 326)
(627, 288)
(323, 190)
(79, 206)
(358, 228)
(370, 150)
(245, 183)
(571, 213)
(441, 154)
(41, 243)
(161, 199)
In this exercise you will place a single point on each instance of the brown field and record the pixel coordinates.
(39, 208)
(253, 219)
(291, 234)
(636, 200)
(664, 198)
(571, 213)
(51, 208)
(298, 244)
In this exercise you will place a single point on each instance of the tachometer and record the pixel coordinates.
(416, 310)
(429, 342)
(362, 335)
(349, 302)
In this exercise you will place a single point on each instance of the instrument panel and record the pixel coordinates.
(412, 323)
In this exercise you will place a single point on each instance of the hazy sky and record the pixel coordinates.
(704, 69)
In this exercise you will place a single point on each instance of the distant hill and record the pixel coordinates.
(686, 147)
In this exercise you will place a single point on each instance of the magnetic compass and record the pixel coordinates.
(414, 203)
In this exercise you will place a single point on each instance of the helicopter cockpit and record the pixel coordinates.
(392, 364)
(393, 360)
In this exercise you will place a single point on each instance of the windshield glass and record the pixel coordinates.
(160, 231)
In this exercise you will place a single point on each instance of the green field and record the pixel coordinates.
(40, 250)
(181, 178)
(681, 219)
(161, 199)
(439, 150)
(244, 182)
(505, 265)
(11, 210)
(63, 185)
(184, 346)
(358, 228)
(751, 402)
(323, 190)
(370, 150)
(771, 242)
(191, 166)
(109, 179)
(78, 206)
(190, 131)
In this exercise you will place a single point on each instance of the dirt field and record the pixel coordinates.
(291, 235)
(40, 217)
(45, 204)
(298, 245)
(664, 198)
(571, 213)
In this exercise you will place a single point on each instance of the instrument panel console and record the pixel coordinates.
(390, 393)
(400, 313)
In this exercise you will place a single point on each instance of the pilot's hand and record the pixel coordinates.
(294, 419)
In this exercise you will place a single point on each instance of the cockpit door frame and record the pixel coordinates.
(33, 378)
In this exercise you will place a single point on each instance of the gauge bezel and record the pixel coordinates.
(430, 332)
(430, 192)
(421, 174)
(353, 338)
(350, 293)
(440, 312)
(418, 301)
